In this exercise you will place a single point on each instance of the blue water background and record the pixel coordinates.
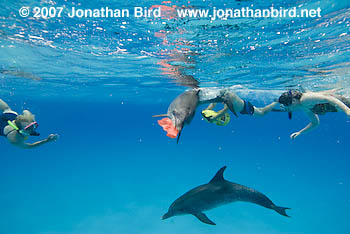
(114, 171)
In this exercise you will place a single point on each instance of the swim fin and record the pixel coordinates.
(168, 126)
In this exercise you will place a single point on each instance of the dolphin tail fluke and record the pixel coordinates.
(203, 218)
(281, 210)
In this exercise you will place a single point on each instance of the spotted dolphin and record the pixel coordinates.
(216, 193)
(180, 112)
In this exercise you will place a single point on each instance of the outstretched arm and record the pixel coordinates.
(20, 143)
(315, 121)
(3, 106)
(264, 110)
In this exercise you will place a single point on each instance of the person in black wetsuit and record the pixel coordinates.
(17, 128)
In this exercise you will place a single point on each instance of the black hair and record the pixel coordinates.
(287, 98)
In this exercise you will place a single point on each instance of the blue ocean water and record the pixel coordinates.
(97, 83)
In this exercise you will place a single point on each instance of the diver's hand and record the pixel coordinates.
(211, 118)
(52, 137)
(294, 135)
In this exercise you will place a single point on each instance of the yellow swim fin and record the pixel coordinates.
(210, 114)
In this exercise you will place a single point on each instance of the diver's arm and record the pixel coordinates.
(19, 141)
(264, 110)
(3, 105)
(32, 145)
(317, 98)
(221, 112)
(315, 121)
(211, 106)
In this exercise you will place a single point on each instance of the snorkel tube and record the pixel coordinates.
(23, 131)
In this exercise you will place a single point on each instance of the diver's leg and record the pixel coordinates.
(233, 102)
(264, 110)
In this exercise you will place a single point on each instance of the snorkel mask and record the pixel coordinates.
(34, 125)
(287, 99)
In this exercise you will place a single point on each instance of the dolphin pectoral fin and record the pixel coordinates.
(202, 217)
(178, 137)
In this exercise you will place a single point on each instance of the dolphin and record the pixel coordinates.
(18, 73)
(180, 111)
(216, 193)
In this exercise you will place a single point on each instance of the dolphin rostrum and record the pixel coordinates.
(216, 193)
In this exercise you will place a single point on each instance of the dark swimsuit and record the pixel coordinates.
(248, 108)
(4, 117)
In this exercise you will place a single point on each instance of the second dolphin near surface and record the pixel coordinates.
(216, 193)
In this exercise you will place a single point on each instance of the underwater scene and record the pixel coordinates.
(196, 117)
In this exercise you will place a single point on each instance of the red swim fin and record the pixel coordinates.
(168, 126)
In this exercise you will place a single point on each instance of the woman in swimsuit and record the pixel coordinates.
(17, 128)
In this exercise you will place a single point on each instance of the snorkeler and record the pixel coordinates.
(231, 102)
(313, 103)
(182, 110)
(17, 128)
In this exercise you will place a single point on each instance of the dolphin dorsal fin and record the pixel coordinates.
(219, 176)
